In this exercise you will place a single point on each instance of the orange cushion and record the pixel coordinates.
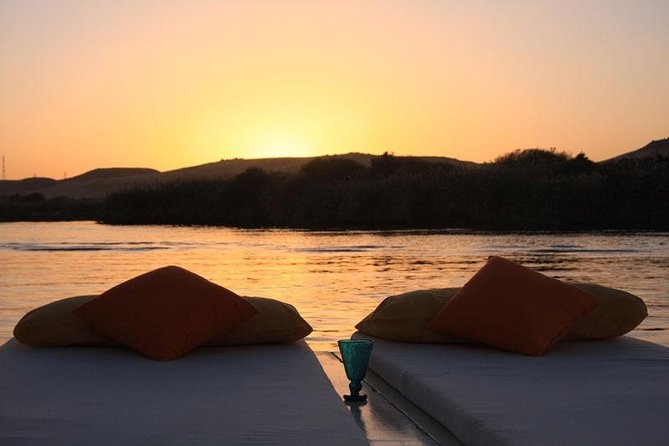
(165, 313)
(508, 306)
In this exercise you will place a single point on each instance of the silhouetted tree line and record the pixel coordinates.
(36, 207)
(525, 190)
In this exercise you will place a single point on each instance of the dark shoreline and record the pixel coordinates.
(530, 191)
(384, 231)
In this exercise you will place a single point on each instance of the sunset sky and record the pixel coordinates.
(168, 84)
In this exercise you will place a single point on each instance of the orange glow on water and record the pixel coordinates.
(334, 279)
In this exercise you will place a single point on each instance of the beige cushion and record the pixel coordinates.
(54, 325)
(276, 322)
(618, 313)
(403, 317)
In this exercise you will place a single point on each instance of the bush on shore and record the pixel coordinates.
(525, 190)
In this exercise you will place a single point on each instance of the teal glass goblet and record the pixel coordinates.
(355, 353)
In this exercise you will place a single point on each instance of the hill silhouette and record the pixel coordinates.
(112, 172)
(25, 186)
(98, 183)
(659, 148)
(532, 189)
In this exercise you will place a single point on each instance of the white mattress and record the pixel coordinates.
(276, 395)
(582, 393)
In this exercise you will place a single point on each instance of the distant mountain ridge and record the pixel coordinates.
(652, 149)
(100, 182)
(26, 185)
(112, 172)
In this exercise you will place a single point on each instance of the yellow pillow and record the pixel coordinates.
(275, 322)
(54, 325)
(402, 317)
(618, 313)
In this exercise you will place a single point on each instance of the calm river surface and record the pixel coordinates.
(333, 278)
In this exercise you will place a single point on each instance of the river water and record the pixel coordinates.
(333, 278)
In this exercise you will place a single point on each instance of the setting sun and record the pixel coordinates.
(263, 134)
(101, 84)
(279, 145)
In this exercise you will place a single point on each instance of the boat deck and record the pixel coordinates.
(386, 418)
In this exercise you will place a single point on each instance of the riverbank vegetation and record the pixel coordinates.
(523, 190)
(36, 207)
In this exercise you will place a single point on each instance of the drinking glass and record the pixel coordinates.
(355, 353)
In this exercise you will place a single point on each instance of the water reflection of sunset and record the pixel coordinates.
(334, 279)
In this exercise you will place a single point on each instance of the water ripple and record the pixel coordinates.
(67, 246)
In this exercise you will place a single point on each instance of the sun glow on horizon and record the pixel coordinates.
(258, 136)
(168, 85)
(278, 146)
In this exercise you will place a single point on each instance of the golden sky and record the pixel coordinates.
(170, 83)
